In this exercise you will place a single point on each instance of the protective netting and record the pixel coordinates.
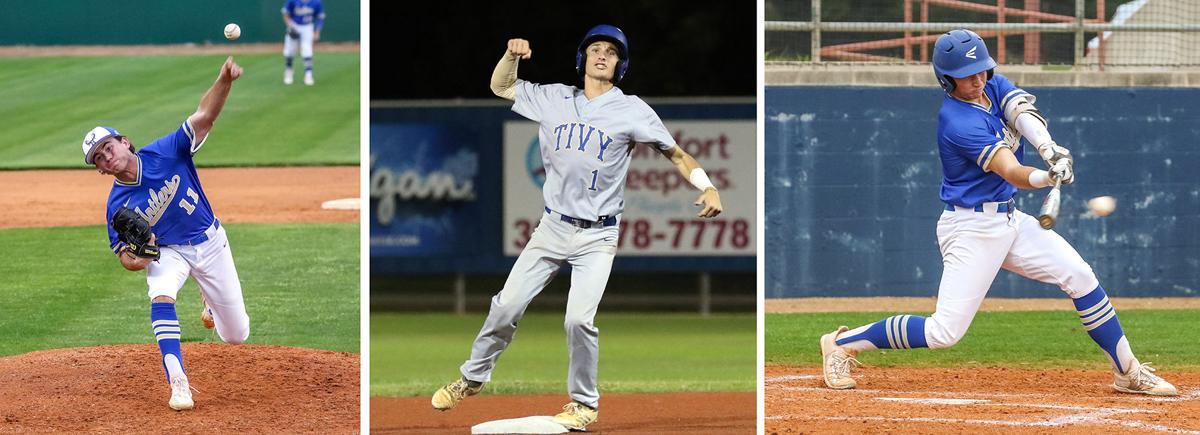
(877, 34)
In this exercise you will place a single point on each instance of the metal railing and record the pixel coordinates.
(1031, 30)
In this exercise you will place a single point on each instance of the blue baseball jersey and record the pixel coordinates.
(166, 192)
(305, 12)
(586, 145)
(969, 135)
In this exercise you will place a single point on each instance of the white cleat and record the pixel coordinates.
(181, 394)
(287, 76)
(308, 79)
(836, 362)
(1141, 380)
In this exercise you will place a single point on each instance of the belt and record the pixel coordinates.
(604, 221)
(203, 237)
(1001, 207)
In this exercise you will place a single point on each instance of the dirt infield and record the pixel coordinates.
(974, 400)
(690, 413)
(51, 198)
(914, 304)
(121, 389)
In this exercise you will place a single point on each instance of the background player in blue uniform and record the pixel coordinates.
(304, 19)
(980, 128)
(159, 182)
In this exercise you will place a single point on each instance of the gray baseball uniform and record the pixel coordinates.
(586, 147)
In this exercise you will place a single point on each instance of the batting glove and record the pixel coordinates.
(1063, 171)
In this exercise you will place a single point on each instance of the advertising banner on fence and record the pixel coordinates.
(659, 218)
(423, 194)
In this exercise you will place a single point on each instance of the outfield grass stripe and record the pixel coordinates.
(52, 101)
(414, 354)
(300, 283)
(1028, 339)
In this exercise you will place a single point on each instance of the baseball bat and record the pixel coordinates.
(1050, 207)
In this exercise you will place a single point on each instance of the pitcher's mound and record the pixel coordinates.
(237, 388)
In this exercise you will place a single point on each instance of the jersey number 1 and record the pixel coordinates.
(190, 207)
(594, 172)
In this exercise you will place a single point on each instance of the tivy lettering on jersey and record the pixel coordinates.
(603, 139)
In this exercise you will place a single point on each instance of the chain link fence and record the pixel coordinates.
(1089, 34)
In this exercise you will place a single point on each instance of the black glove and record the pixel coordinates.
(293, 33)
(135, 232)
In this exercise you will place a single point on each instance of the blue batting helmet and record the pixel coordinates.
(960, 53)
(611, 34)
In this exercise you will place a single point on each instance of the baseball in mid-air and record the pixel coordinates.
(1102, 205)
(232, 31)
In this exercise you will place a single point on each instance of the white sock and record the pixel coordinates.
(173, 367)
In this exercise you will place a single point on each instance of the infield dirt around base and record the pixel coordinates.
(684, 413)
(974, 400)
(237, 389)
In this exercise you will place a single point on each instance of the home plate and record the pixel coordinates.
(535, 424)
(341, 204)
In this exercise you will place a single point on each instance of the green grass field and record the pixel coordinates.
(62, 287)
(1030, 339)
(49, 103)
(414, 354)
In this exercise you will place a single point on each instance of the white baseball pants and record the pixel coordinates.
(590, 253)
(211, 264)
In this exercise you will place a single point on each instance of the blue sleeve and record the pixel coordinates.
(180, 143)
(287, 8)
(1005, 89)
(972, 141)
(319, 14)
(113, 243)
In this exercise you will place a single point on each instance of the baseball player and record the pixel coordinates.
(983, 124)
(304, 19)
(586, 137)
(159, 185)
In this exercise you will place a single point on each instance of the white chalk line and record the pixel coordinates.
(1193, 394)
(1044, 423)
(778, 379)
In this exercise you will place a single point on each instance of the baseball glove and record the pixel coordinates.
(293, 33)
(135, 232)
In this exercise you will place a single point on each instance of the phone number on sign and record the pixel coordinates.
(689, 234)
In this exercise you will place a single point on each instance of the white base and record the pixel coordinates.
(341, 204)
(535, 424)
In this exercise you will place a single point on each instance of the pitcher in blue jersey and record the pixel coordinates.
(586, 137)
(983, 125)
(159, 182)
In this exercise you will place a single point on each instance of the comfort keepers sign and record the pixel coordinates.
(659, 217)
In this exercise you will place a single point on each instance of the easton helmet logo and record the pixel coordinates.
(971, 52)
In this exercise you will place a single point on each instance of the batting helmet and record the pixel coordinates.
(960, 53)
(605, 32)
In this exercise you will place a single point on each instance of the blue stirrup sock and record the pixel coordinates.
(308, 64)
(166, 332)
(896, 332)
(287, 62)
(1099, 318)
